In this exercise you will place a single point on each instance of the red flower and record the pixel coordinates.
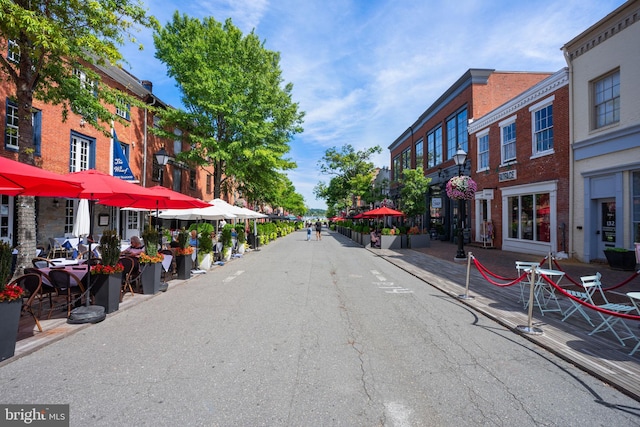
(107, 269)
(11, 293)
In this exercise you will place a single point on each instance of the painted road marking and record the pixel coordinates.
(230, 278)
(389, 287)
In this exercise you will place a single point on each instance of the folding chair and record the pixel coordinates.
(576, 306)
(592, 285)
(31, 283)
(521, 268)
(635, 300)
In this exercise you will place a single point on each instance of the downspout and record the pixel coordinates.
(570, 231)
(144, 145)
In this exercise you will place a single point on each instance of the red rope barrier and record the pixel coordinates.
(586, 304)
(610, 288)
(485, 273)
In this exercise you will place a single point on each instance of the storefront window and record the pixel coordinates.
(636, 207)
(530, 217)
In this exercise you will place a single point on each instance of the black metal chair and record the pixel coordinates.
(67, 285)
(31, 283)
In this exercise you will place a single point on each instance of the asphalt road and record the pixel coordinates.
(309, 333)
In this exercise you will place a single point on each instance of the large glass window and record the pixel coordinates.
(530, 217)
(543, 129)
(483, 152)
(434, 147)
(508, 142)
(419, 154)
(606, 95)
(395, 171)
(406, 159)
(457, 136)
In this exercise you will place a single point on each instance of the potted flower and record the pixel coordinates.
(461, 188)
(184, 262)
(621, 259)
(150, 262)
(106, 277)
(10, 305)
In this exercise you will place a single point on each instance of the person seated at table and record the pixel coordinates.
(375, 239)
(193, 240)
(136, 247)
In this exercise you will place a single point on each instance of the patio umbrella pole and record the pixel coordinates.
(88, 313)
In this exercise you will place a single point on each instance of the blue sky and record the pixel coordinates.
(364, 70)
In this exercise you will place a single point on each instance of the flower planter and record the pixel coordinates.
(621, 260)
(9, 322)
(150, 277)
(404, 241)
(205, 264)
(183, 265)
(390, 242)
(106, 290)
(419, 241)
(366, 239)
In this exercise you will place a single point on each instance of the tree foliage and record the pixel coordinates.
(352, 176)
(412, 194)
(52, 44)
(238, 116)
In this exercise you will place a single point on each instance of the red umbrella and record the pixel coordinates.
(383, 211)
(166, 199)
(19, 179)
(109, 190)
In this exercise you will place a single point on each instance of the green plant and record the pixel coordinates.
(242, 238)
(110, 247)
(183, 238)
(226, 236)
(205, 244)
(150, 237)
(5, 263)
(386, 231)
(617, 250)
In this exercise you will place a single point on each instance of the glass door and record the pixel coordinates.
(606, 225)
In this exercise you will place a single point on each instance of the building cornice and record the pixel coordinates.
(530, 96)
(618, 20)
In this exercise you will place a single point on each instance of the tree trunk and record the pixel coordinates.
(25, 205)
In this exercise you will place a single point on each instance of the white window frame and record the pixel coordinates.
(511, 121)
(535, 132)
(123, 108)
(607, 98)
(13, 52)
(80, 151)
(12, 137)
(483, 155)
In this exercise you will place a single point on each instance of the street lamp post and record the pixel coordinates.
(162, 158)
(459, 158)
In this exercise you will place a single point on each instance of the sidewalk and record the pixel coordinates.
(601, 355)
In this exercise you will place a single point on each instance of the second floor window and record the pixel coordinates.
(80, 151)
(177, 143)
(434, 147)
(123, 108)
(419, 155)
(606, 95)
(508, 141)
(483, 152)
(11, 126)
(457, 136)
(406, 159)
(396, 168)
(543, 129)
(13, 53)
(192, 179)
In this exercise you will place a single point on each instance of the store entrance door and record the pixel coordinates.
(606, 225)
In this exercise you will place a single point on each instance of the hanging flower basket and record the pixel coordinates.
(461, 188)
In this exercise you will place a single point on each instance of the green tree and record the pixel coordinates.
(412, 194)
(238, 116)
(52, 45)
(352, 175)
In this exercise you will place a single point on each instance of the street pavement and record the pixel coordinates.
(310, 333)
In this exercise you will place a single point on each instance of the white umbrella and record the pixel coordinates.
(241, 213)
(194, 214)
(82, 222)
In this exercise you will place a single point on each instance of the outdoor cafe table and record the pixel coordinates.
(63, 262)
(543, 292)
(80, 271)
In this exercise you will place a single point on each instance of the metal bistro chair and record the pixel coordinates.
(31, 283)
(39, 262)
(521, 268)
(46, 290)
(130, 275)
(56, 250)
(592, 285)
(67, 285)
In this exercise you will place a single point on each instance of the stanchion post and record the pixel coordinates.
(529, 328)
(466, 292)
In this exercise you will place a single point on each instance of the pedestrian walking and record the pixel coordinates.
(308, 232)
(318, 230)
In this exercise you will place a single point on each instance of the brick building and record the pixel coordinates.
(431, 141)
(73, 145)
(520, 153)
